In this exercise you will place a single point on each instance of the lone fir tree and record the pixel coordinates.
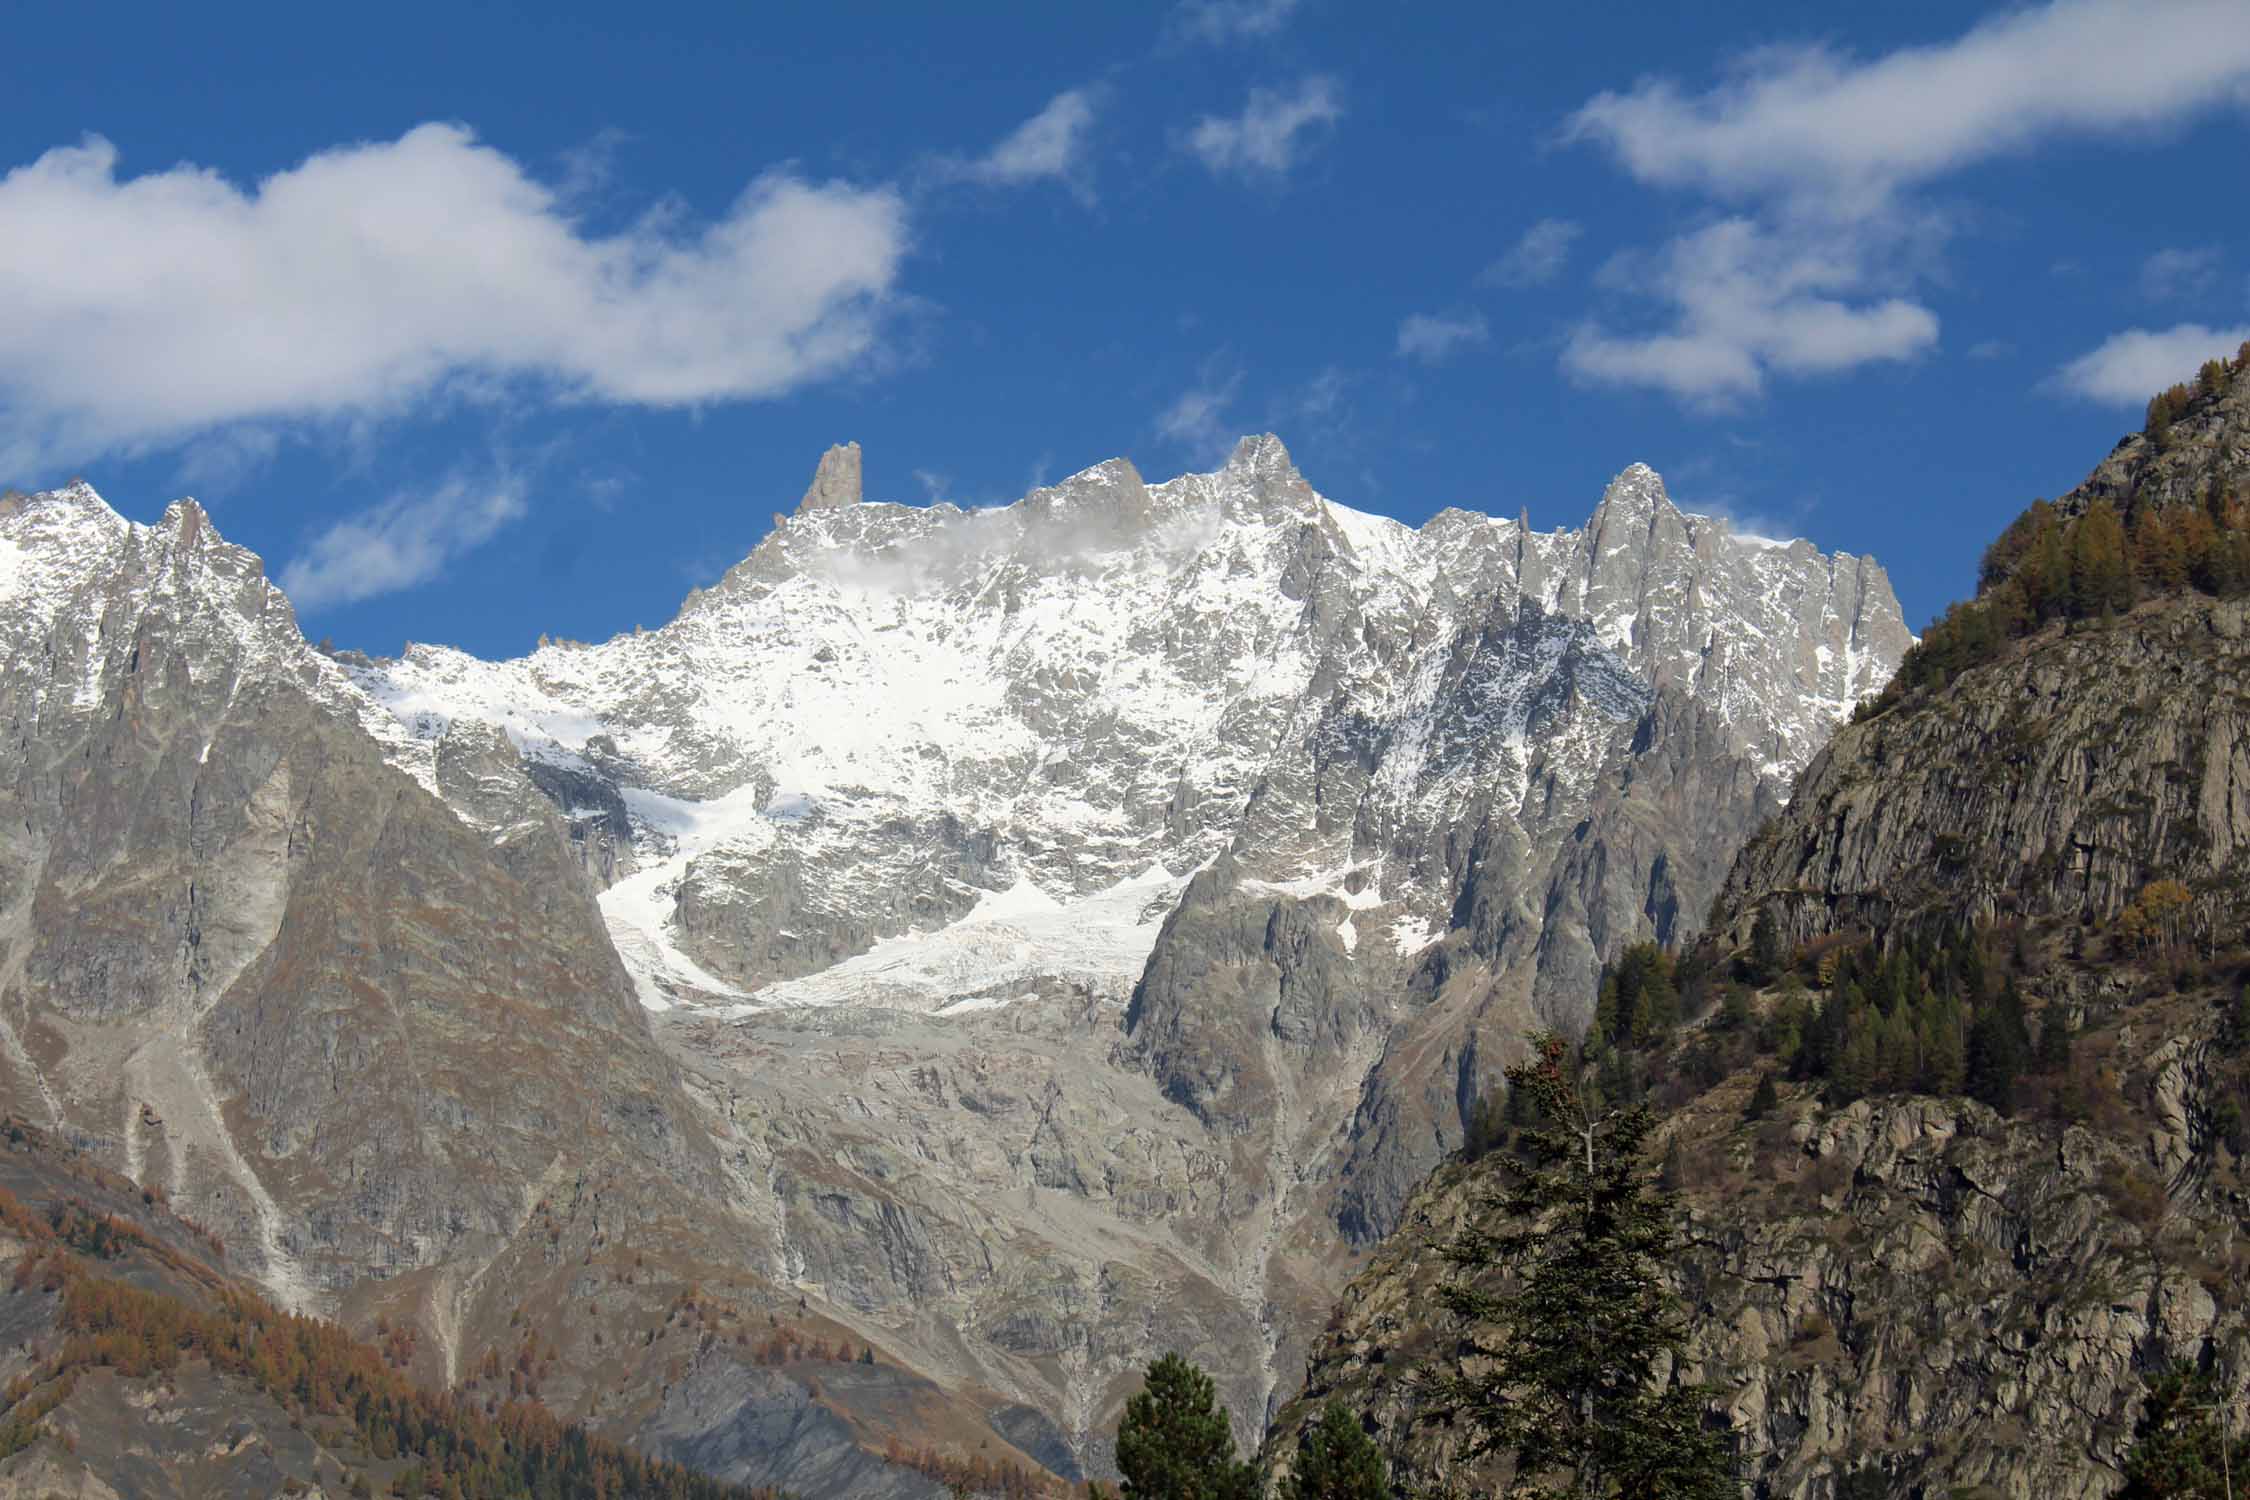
(2185, 1446)
(1575, 1343)
(1175, 1442)
(1337, 1461)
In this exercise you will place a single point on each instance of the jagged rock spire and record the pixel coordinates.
(835, 484)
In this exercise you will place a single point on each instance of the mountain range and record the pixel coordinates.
(964, 954)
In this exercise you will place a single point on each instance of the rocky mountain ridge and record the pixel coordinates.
(925, 707)
(1049, 927)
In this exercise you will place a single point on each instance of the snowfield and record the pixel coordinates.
(1018, 714)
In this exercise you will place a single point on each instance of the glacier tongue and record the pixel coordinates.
(1011, 943)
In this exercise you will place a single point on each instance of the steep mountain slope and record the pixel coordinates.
(260, 966)
(377, 1040)
(1057, 933)
(137, 1365)
(2057, 781)
(1914, 1288)
(1917, 1290)
(2056, 745)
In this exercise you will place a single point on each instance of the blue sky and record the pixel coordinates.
(482, 322)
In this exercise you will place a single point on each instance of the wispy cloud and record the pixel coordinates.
(1809, 121)
(406, 540)
(1748, 300)
(1222, 21)
(2127, 368)
(1432, 337)
(1536, 259)
(372, 276)
(1197, 421)
(1053, 145)
(1267, 138)
(1827, 149)
(2171, 274)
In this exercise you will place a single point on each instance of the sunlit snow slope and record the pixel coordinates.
(891, 722)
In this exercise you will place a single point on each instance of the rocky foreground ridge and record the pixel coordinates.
(1893, 1289)
(996, 947)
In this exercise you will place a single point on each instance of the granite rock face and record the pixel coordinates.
(2057, 781)
(835, 483)
(354, 1027)
(1911, 1287)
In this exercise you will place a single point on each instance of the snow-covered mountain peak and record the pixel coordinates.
(80, 586)
(887, 712)
(63, 547)
(1263, 456)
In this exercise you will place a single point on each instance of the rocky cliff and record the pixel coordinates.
(1917, 1291)
(2058, 780)
(2079, 728)
(1914, 1293)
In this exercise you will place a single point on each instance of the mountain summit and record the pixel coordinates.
(1105, 676)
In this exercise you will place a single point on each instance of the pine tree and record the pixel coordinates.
(1566, 1360)
(2179, 1451)
(2234, 1025)
(1338, 1461)
(1766, 953)
(2159, 552)
(2101, 579)
(1175, 1442)
(1852, 1070)
(1945, 1062)
(1995, 1057)
(1764, 1099)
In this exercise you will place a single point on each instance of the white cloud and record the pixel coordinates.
(1221, 21)
(147, 310)
(2128, 368)
(1819, 274)
(1265, 137)
(1431, 337)
(1051, 145)
(1537, 258)
(1197, 421)
(406, 540)
(1747, 300)
(1810, 121)
(2171, 274)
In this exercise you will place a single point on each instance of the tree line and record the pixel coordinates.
(307, 1366)
(2048, 566)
